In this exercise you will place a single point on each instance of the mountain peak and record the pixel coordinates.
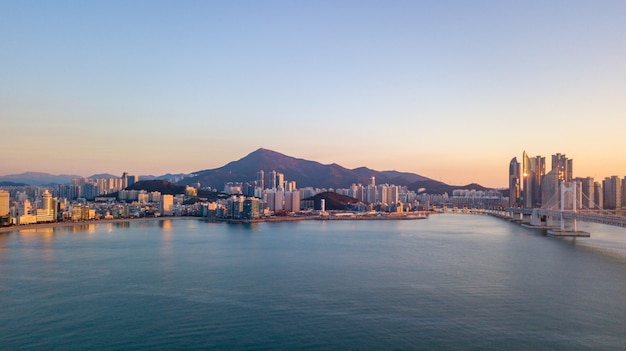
(304, 172)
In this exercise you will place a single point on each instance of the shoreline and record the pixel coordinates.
(17, 228)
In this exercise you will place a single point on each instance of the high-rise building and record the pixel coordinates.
(612, 188)
(279, 200)
(5, 201)
(124, 180)
(587, 193)
(260, 179)
(550, 191)
(623, 187)
(514, 182)
(165, 207)
(290, 185)
(598, 198)
(533, 168)
(251, 208)
(46, 201)
(272, 180)
(280, 180)
(132, 179)
(292, 201)
(564, 167)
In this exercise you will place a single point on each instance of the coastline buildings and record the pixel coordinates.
(533, 170)
(543, 190)
(612, 189)
(538, 189)
(514, 183)
(563, 167)
(5, 208)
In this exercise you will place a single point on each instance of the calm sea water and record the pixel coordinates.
(451, 282)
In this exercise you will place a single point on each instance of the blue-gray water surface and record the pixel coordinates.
(450, 282)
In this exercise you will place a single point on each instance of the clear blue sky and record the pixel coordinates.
(451, 90)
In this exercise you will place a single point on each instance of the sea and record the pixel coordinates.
(449, 282)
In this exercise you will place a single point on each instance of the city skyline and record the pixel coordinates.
(448, 91)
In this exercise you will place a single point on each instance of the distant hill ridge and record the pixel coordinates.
(304, 172)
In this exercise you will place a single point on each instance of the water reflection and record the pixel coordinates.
(121, 224)
(39, 239)
(166, 238)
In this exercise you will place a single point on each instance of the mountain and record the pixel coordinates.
(38, 178)
(103, 176)
(12, 184)
(169, 177)
(304, 172)
(435, 187)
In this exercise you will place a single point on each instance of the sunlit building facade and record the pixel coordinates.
(514, 182)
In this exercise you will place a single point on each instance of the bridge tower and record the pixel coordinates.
(571, 188)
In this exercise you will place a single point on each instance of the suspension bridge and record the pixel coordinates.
(559, 214)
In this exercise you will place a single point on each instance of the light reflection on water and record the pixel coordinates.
(448, 282)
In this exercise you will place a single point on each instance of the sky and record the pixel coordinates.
(451, 90)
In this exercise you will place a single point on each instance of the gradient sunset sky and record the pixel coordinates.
(451, 90)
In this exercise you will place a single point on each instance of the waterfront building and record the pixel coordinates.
(292, 201)
(514, 182)
(587, 193)
(550, 190)
(563, 166)
(48, 212)
(251, 208)
(307, 192)
(623, 187)
(270, 198)
(533, 168)
(612, 188)
(5, 201)
(279, 200)
(598, 195)
(165, 207)
(235, 206)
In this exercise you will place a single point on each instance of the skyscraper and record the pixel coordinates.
(598, 195)
(165, 207)
(514, 182)
(272, 180)
(280, 180)
(550, 191)
(533, 168)
(5, 198)
(124, 180)
(612, 188)
(564, 167)
(260, 179)
(587, 193)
